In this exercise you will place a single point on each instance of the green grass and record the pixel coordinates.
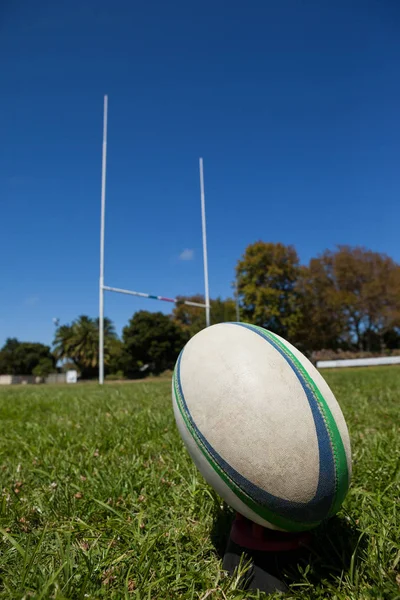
(99, 498)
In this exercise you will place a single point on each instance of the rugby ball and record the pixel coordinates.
(262, 426)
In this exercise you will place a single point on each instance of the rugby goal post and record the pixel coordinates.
(106, 288)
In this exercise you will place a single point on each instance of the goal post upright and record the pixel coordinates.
(204, 235)
(102, 227)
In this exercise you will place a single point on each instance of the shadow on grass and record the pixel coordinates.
(334, 551)
(222, 523)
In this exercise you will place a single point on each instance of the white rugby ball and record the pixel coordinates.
(262, 426)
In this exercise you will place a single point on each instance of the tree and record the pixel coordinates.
(115, 362)
(322, 323)
(363, 287)
(391, 338)
(153, 341)
(192, 319)
(223, 311)
(20, 358)
(44, 367)
(267, 275)
(79, 342)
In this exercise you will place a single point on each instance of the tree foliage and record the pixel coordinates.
(360, 298)
(192, 319)
(267, 275)
(152, 341)
(79, 343)
(322, 323)
(348, 298)
(44, 367)
(21, 358)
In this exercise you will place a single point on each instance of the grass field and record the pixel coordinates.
(100, 500)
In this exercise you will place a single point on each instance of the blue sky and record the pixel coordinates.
(294, 106)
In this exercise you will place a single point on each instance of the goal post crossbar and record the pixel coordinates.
(108, 288)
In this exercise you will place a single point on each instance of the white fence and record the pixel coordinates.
(68, 377)
(56, 378)
(358, 362)
(18, 379)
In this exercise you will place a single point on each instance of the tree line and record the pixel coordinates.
(346, 299)
(343, 300)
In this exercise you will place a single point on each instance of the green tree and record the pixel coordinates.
(192, 319)
(391, 338)
(362, 293)
(79, 343)
(116, 354)
(152, 341)
(267, 275)
(322, 322)
(20, 358)
(43, 368)
(222, 311)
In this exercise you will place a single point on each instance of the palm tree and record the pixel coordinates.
(79, 342)
(63, 349)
